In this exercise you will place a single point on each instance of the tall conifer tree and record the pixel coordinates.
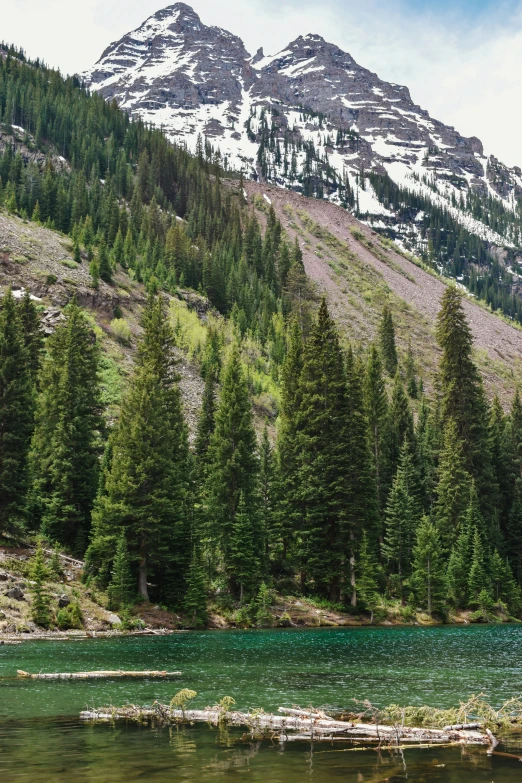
(428, 577)
(16, 416)
(361, 513)
(67, 439)
(147, 486)
(33, 337)
(453, 487)
(324, 444)
(288, 515)
(462, 393)
(387, 342)
(402, 518)
(233, 468)
(376, 403)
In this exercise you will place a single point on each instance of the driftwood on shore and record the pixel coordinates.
(297, 725)
(97, 675)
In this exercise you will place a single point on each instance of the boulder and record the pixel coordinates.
(63, 601)
(113, 619)
(16, 593)
(3, 576)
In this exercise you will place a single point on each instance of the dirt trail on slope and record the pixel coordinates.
(409, 282)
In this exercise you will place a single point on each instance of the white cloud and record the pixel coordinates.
(465, 70)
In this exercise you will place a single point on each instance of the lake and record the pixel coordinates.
(41, 738)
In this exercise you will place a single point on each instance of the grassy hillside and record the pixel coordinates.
(361, 271)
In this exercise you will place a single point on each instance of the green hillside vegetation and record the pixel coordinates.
(359, 491)
(438, 237)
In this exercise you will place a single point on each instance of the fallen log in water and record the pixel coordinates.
(303, 713)
(309, 726)
(458, 726)
(96, 675)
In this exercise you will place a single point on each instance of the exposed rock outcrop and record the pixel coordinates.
(194, 79)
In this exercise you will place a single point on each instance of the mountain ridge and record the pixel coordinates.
(191, 78)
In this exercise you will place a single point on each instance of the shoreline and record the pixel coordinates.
(67, 636)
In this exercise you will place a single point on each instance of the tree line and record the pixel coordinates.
(363, 497)
(129, 198)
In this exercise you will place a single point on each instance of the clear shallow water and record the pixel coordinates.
(41, 738)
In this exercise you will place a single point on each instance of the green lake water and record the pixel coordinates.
(41, 738)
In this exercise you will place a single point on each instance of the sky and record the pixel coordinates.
(461, 59)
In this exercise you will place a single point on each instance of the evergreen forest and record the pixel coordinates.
(363, 491)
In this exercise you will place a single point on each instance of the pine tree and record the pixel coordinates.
(503, 584)
(195, 602)
(324, 446)
(94, 271)
(428, 578)
(283, 266)
(402, 519)
(361, 512)
(462, 393)
(367, 576)
(211, 360)
(244, 555)
(66, 443)
(453, 488)
(55, 566)
(233, 462)
(478, 580)
(400, 426)
(264, 600)
(267, 491)
(300, 296)
(104, 264)
(514, 436)
(429, 442)
(32, 334)
(129, 251)
(387, 342)
(16, 417)
(118, 249)
(412, 386)
(376, 403)
(288, 512)
(122, 587)
(146, 489)
(474, 519)
(459, 565)
(513, 535)
(40, 606)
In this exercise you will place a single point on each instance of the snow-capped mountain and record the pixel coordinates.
(308, 117)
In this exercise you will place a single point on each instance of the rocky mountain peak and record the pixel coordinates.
(179, 14)
(307, 110)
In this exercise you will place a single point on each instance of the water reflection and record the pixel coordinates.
(44, 751)
(437, 666)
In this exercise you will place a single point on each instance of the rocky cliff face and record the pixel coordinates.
(307, 114)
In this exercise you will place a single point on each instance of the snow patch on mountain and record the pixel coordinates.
(307, 112)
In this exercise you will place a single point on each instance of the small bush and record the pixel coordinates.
(69, 263)
(128, 622)
(182, 698)
(51, 279)
(407, 612)
(243, 616)
(120, 330)
(70, 617)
